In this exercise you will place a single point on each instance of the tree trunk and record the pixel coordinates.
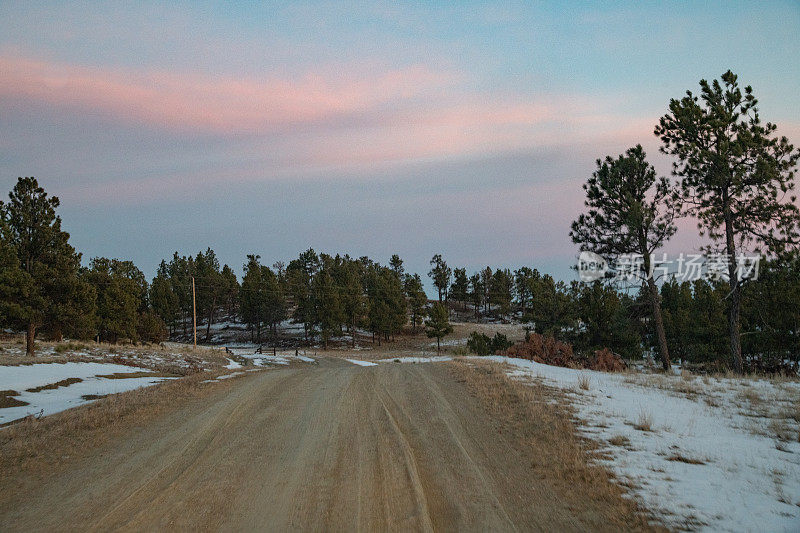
(733, 307)
(30, 347)
(438, 345)
(658, 322)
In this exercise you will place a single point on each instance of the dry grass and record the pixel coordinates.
(7, 399)
(52, 386)
(683, 459)
(144, 374)
(584, 382)
(644, 422)
(546, 426)
(620, 440)
(170, 358)
(36, 447)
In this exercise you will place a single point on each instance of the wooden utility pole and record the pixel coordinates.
(194, 315)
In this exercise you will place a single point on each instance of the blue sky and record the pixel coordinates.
(410, 128)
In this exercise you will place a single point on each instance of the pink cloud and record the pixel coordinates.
(215, 104)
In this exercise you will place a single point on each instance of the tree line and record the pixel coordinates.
(45, 289)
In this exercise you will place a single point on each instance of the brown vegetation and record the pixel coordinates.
(52, 386)
(7, 399)
(550, 351)
(548, 426)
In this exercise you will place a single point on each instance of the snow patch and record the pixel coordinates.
(710, 461)
(361, 363)
(49, 401)
(432, 359)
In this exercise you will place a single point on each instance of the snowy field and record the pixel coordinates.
(24, 380)
(704, 453)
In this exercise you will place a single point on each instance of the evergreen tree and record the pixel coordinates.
(353, 298)
(163, 300)
(460, 288)
(630, 211)
(330, 314)
(501, 285)
(606, 321)
(417, 299)
(676, 302)
(273, 303)
(33, 230)
(522, 289)
(253, 296)
(440, 274)
(486, 283)
(229, 292)
(396, 264)
(771, 315)
(119, 291)
(552, 310)
(476, 292)
(737, 178)
(14, 282)
(300, 277)
(438, 324)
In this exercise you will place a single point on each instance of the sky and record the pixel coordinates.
(465, 129)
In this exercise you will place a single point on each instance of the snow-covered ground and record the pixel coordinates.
(361, 363)
(48, 401)
(716, 454)
(260, 359)
(450, 342)
(432, 359)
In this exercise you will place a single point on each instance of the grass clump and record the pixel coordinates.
(644, 422)
(51, 386)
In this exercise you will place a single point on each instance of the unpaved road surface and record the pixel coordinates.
(331, 446)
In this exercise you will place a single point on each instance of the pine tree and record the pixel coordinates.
(737, 178)
(476, 292)
(460, 288)
(252, 297)
(229, 293)
(438, 324)
(440, 274)
(15, 283)
(300, 278)
(354, 300)
(417, 299)
(273, 304)
(630, 211)
(163, 300)
(33, 230)
(522, 287)
(119, 297)
(396, 264)
(330, 315)
(501, 285)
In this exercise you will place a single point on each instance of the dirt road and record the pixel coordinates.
(331, 446)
